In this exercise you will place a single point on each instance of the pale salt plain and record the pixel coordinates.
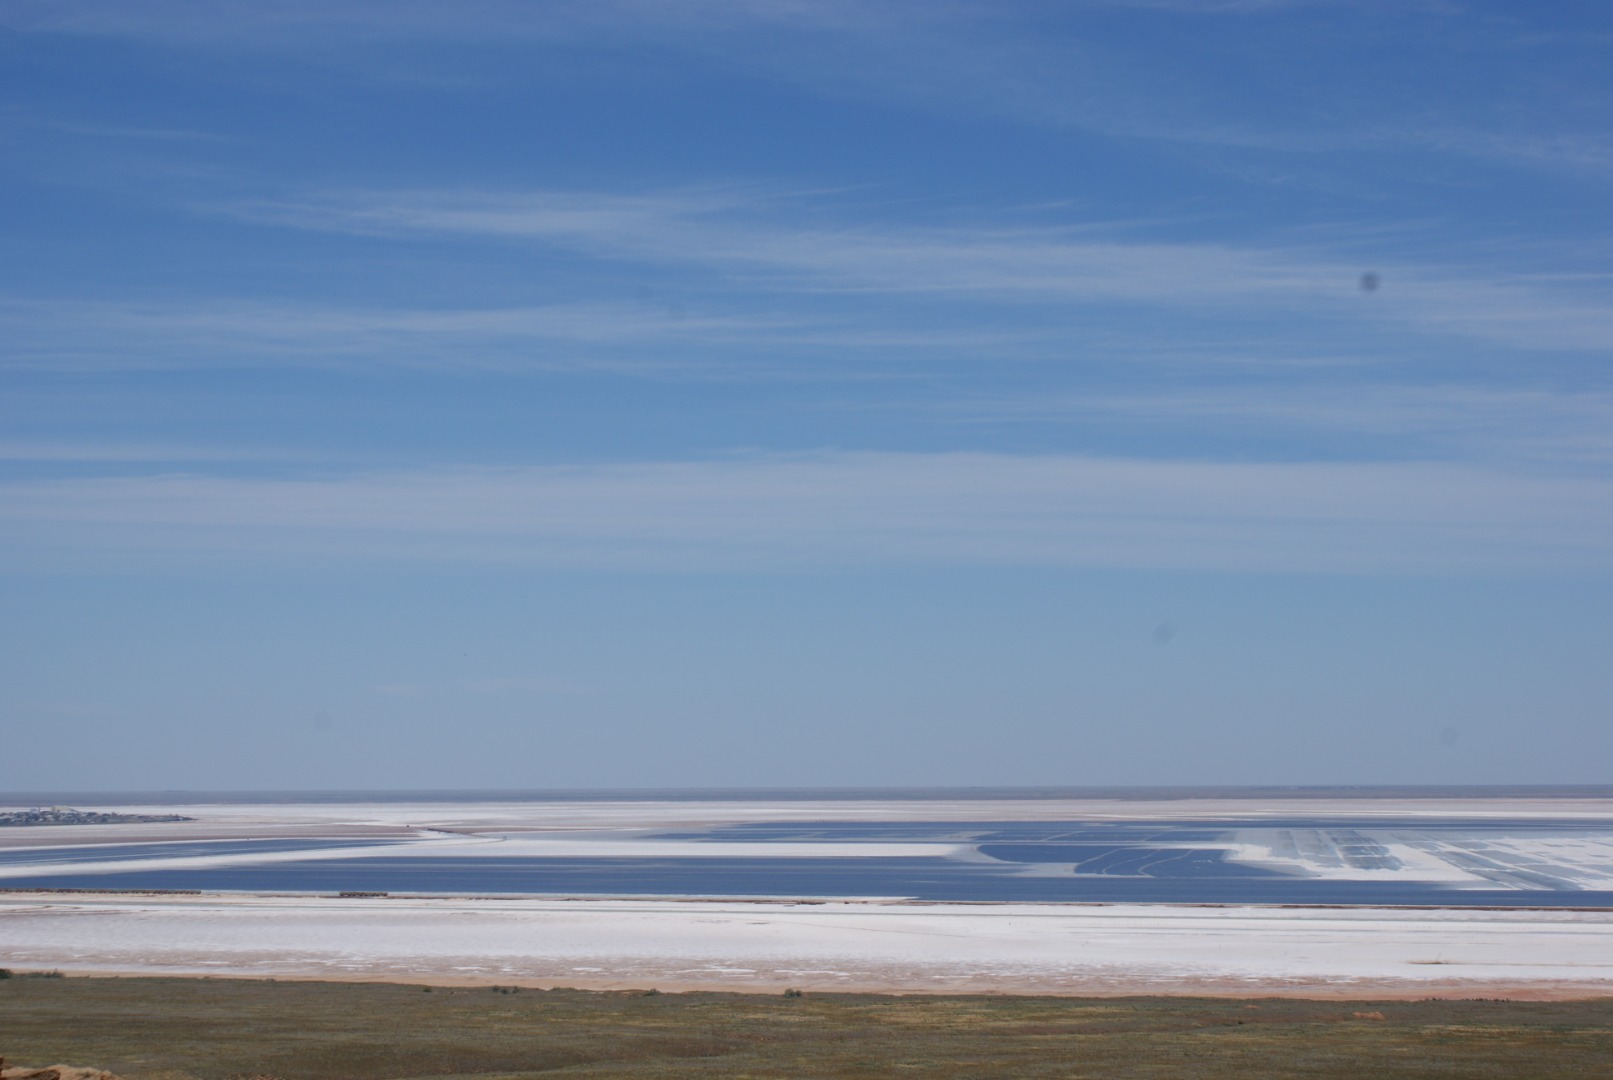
(844, 943)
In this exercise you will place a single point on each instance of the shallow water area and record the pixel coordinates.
(1431, 852)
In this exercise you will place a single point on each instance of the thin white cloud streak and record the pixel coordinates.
(288, 23)
(19, 117)
(658, 337)
(725, 232)
(84, 335)
(1515, 424)
(306, 25)
(834, 509)
(63, 451)
(1590, 153)
(1225, 7)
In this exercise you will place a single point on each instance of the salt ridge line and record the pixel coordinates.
(545, 848)
(563, 815)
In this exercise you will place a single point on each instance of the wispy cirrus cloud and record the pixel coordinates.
(96, 335)
(1469, 422)
(787, 281)
(17, 117)
(958, 58)
(836, 509)
(102, 452)
(729, 232)
(1226, 7)
(283, 24)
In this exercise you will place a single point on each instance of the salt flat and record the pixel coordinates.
(876, 945)
(847, 943)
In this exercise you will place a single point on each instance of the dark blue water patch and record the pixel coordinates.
(1362, 851)
(179, 849)
(916, 878)
(546, 876)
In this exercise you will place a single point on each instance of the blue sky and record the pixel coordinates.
(804, 393)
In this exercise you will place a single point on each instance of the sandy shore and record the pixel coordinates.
(831, 946)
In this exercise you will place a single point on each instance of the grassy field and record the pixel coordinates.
(222, 1029)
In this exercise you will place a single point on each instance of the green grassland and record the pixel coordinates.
(217, 1029)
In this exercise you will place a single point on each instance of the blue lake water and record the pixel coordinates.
(1133, 861)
